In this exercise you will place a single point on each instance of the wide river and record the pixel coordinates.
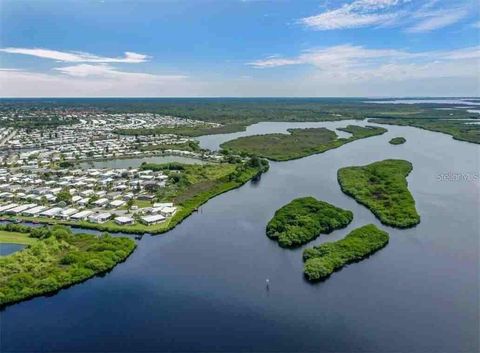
(201, 287)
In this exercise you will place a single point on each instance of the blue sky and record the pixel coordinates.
(239, 48)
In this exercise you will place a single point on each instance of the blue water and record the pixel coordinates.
(7, 249)
(201, 287)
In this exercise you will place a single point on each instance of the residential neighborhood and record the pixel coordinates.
(91, 195)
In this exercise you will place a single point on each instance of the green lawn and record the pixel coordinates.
(383, 188)
(15, 238)
(297, 143)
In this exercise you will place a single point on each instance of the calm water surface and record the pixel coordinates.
(201, 287)
(7, 249)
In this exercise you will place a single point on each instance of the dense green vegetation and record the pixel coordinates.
(304, 219)
(459, 130)
(191, 131)
(298, 143)
(58, 260)
(397, 141)
(321, 261)
(382, 187)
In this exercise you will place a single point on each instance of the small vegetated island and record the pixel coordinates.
(54, 259)
(383, 188)
(304, 219)
(321, 261)
(397, 141)
(298, 143)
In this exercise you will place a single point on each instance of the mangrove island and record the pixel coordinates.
(397, 141)
(321, 261)
(298, 143)
(304, 219)
(383, 188)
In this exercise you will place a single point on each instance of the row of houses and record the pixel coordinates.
(157, 214)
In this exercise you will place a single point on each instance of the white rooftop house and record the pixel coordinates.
(99, 217)
(68, 212)
(117, 203)
(51, 212)
(168, 211)
(8, 206)
(21, 208)
(152, 219)
(34, 211)
(101, 202)
(83, 201)
(81, 216)
(124, 220)
(163, 204)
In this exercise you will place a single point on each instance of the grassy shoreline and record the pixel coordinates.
(382, 187)
(321, 261)
(304, 219)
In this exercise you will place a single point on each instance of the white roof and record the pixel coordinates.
(69, 211)
(153, 218)
(7, 207)
(82, 214)
(163, 204)
(123, 219)
(52, 212)
(117, 203)
(101, 201)
(35, 210)
(22, 208)
(101, 215)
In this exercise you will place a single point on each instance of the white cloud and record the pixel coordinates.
(21, 83)
(359, 13)
(75, 56)
(107, 71)
(351, 64)
(415, 16)
(332, 57)
(438, 19)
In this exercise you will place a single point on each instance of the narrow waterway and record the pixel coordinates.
(201, 287)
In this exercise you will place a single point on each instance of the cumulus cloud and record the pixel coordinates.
(76, 56)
